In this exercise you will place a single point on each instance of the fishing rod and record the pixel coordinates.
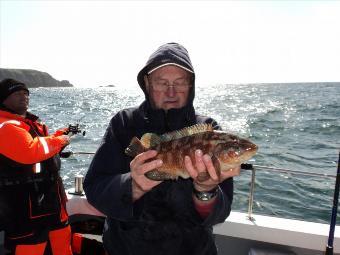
(329, 247)
(67, 154)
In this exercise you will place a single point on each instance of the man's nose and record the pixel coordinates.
(171, 90)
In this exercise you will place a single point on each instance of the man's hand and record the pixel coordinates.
(66, 139)
(61, 131)
(204, 167)
(139, 166)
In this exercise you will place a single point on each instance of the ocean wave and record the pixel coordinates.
(296, 127)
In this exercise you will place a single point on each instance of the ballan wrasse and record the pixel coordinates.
(226, 150)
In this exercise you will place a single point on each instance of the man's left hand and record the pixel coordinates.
(204, 166)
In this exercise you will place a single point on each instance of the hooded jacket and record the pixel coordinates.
(163, 221)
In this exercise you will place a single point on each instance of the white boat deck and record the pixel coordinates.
(238, 234)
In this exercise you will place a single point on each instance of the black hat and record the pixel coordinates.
(9, 86)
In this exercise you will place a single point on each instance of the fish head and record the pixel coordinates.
(232, 150)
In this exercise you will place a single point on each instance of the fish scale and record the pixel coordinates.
(227, 150)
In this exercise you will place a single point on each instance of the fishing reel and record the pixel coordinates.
(71, 130)
(74, 129)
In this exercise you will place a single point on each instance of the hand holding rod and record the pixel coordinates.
(74, 129)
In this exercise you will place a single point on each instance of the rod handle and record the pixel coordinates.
(329, 250)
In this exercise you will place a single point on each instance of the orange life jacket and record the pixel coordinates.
(31, 190)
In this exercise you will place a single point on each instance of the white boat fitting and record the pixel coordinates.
(238, 235)
(248, 233)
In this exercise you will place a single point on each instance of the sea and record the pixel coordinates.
(296, 126)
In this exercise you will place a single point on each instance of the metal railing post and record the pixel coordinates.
(251, 195)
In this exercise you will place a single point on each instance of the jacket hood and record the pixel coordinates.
(167, 54)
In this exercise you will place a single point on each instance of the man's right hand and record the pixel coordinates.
(66, 139)
(61, 131)
(139, 166)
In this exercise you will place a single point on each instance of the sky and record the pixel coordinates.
(98, 43)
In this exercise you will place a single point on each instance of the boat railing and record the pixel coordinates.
(253, 168)
(245, 166)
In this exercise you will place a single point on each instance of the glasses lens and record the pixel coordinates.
(163, 86)
(181, 87)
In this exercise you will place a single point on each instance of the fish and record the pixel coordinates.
(226, 150)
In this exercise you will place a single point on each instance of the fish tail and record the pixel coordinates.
(135, 148)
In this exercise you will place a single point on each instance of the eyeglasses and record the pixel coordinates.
(180, 85)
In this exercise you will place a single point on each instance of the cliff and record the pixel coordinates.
(33, 78)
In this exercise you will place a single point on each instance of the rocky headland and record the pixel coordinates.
(33, 78)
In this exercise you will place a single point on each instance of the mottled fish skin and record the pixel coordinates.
(227, 150)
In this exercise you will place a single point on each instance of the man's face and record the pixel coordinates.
(17, 102)
(168, 87)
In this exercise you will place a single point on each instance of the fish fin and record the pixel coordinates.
(217, 165)
(150, 140)
(187, 131)
(157, 175)
(135, 148)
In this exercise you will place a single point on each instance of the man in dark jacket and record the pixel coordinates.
(158, 217)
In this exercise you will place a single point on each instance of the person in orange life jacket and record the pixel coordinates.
(32, 196)
(146, 217)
